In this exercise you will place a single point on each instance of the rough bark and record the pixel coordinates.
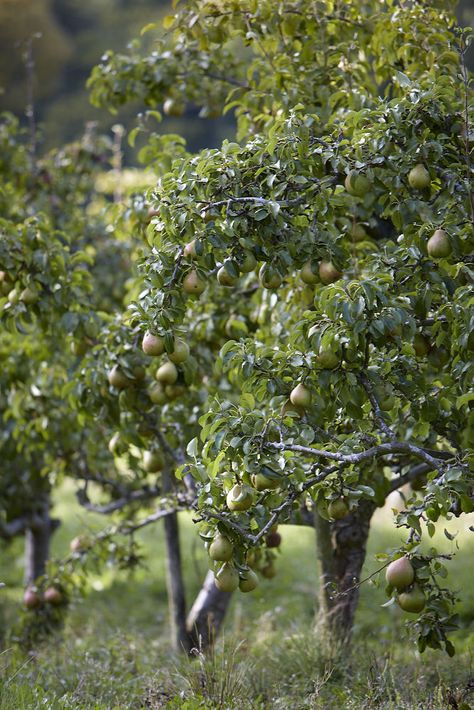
(207, 613)
(37, 543)
(341, 549)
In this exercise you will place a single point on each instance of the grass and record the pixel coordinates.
(114, 652)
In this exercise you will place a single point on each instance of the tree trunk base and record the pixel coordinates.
(341, 548)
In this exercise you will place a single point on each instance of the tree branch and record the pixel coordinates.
(394, 447)
(376, 407)
(410, 476)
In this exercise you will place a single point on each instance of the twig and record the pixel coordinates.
(376, 407)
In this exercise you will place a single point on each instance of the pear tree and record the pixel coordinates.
(347, 193)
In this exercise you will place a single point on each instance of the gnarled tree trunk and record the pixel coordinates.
(341, 549)
(201, 627)
(37, 542)
(175, 585)
(207, 613)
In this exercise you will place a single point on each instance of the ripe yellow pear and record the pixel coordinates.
(193, 285)
(268, 277)
(157, 393)
(264, 483)
(308, 276)
(240, 497)
(357, 184)
(153, 345)
(189, 251)
(413, 600)
(328, 273)
(224, 278)
(300, 396)
(117, 378)
(400, 573)
(167, 374)
(227, 578)
(221, 549)
(328, 359)
(439, 245)
(419, 177)
(248, 581)
(180, 351)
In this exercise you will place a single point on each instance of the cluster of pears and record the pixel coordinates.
(241, 496)
(15, 293)
(33, 599)
(166, 376)
(400, 575)
(326, 273)
(227, 577)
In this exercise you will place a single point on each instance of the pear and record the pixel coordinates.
(248, 262)
(117, 378)
(29, 296)
(413, 600)
(269, 278)
(268, 571)
(153, 345)
(157, 393)
(357, 184)
(338, 509)
(180, 352)
(240, 497)
(400, 573)
(189, 251)
(307, 274)
(439, 245)
(53, 596)
(224, 278)
(193, 285)
(263, 483)
(288, 406)
(167, 374)
(328, 359)
(221, 549)
(227, 578)
(273, 539)
(248, 581)
(328, 273)
(358, 232)
(419, 177)
(300, 396)
(31, 598)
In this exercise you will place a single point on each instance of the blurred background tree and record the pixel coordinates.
(72, 36)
